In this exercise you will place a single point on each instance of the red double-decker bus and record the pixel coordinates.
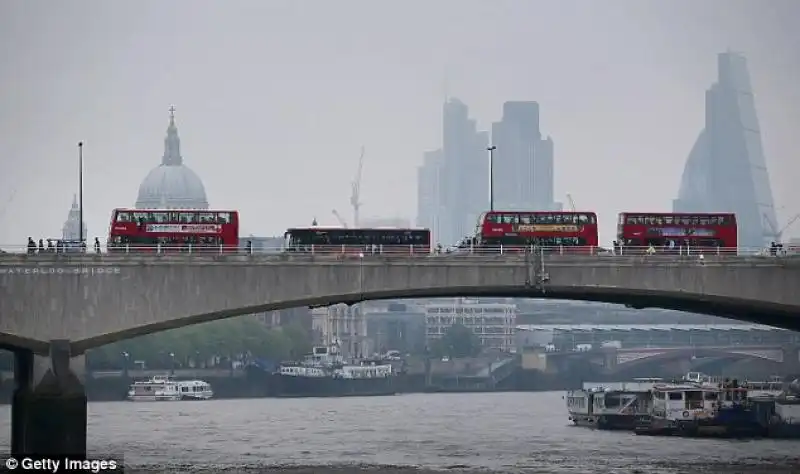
(564, 231)
(170, 230)
(716, 232)
(358, 241)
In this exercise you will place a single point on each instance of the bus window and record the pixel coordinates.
(142, 217)
(187, 218)
(704, 220)
(526, 219)
(668, 220)
(123, 216)
(207, 218)
(493, 218)
(161, 217)
(224, 217)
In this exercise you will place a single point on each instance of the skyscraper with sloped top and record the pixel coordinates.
(726, 170)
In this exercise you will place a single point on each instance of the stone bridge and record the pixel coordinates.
(92, 300)
(613, 361)
(627, 358)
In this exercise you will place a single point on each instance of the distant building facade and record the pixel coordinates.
(453, 182)
(429, 194)
(172, 184)
(395, 325)
(726, 170)
(493, 323)
(72, 226)
(523, 161)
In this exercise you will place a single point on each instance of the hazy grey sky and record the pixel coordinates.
(274, 99)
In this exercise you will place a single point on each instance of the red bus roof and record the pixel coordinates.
(678, 213)
(126, 209)
(538, 212)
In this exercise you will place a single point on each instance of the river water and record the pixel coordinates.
(457, 433)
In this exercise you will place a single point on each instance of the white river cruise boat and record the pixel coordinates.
(164, 388)
(610, 406)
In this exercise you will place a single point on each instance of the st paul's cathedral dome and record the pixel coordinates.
(172, 185)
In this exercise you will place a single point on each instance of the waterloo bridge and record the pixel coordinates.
(59, 306)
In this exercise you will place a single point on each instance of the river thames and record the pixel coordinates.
(457, 433)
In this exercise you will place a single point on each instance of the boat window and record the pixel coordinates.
(613, 401)
(676, 396)
(711, 395)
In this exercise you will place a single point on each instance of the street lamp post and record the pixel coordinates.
(491, 150)
(126, 367)
(80, 194)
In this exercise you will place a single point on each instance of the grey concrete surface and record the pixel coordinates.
(97, 299)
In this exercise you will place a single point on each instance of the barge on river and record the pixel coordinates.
(609, 406)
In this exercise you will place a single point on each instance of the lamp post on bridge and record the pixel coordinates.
(125, 368)
(80, 197)
(491, 150)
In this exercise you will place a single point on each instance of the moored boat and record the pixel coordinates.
(611, 406)
(325, 373)
(701, 409)
(164, 388)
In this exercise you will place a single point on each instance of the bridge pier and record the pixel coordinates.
(50, 417)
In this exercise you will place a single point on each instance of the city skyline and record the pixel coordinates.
(278, 138)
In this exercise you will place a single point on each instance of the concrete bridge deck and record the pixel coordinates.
(95, 299)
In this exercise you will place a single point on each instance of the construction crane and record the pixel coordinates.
(355, 196)
(571, 202)
(778, 234)
(339, 218)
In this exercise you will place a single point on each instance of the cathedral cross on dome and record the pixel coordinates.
(171, 111)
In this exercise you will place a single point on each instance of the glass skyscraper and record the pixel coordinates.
(726, 170)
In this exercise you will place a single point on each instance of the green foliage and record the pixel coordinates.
(458, 341)
(200, 343)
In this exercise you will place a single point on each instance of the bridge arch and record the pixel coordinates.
(154, 294)
(700, 353)
(741, 310)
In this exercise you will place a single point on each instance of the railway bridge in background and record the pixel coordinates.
(618, 361)
(61, 305)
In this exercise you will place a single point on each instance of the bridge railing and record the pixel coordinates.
(405, 251)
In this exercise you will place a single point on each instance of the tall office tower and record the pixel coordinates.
(523, 162)
(726, 170)
(429, 192)
(463, 175)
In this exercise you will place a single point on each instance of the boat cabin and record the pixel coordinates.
(685, 401)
